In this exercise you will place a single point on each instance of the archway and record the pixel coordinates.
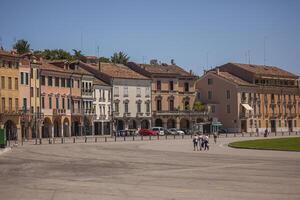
(87, 126)
(75, 127)
(184, 124)
(46, 131)
(199, 120)
(159, 122)
(66, 127)
(11, 130)
(120, 125)
(145, 124)
(171, 123)
(57, 127)
(132, 124)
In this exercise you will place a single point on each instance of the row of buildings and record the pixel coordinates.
(42, 99)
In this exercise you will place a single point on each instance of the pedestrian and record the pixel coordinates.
(200, 142)
(206, 143)
(215, 137)
(195, 142)
(266, 133)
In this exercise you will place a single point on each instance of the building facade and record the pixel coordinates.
(251, 98)
(173, 95)
(131, 95)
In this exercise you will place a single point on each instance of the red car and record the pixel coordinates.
(147, 132)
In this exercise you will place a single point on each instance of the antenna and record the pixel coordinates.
(265, 38)
(207, 60)
(0, 41)
(98, 51)
(81, 41)
(249, 57)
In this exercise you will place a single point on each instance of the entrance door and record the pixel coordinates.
(273, 126)
(244, 126)
(290, 125)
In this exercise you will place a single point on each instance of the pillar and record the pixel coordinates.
(52, 131)
(177, 122)
(19, 133)
(93, 128)
(102, 128)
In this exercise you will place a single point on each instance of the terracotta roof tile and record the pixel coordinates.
(164, 69)
(233, 78)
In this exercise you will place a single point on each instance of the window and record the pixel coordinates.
(37, 92)
(171, 86)
(78, 83)
(24, 108)
(186, 105)
(9, 83)
(68, 82)
(213, 109)
(138, 92)
(108, 110)
(49, 80)
(116, 107)
(37, 74)
(158, 105)
(31, 91)
(68, 104)
(109, 95)
(50, 102)
(138, 107)
(63, 103)
(186, 86)
(26, 79)
(16, 104)
(16, 83)
(43, 102)
(125, 91)
(210, 81)
(31, 73)
(126, 107)
(43, 80)
(9, 64)
(56, 81)
(10, 104)
(2, 82)
(209, 95)
(31, 109)
(147, 92)
(3, 104)
(198, 96)
(22, 77)
(171, 105)
(228, 108)
(158, 85)
(228, 94)
(57, 103)
(279, 123)
(148, 107)
(63, 82)
(116, 91)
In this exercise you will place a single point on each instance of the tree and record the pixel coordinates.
(55, 54)
(78, 55)
(104, 59)
(22, 46)
(120, 58)
(199, 106)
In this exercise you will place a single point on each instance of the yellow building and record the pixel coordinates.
(9, 94)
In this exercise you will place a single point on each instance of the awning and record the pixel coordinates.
(246, 106)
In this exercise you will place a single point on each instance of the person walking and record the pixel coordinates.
(206, 143)
(215, 137)
(200, 142)
(195, 142)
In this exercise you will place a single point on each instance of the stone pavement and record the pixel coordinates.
(165, 169)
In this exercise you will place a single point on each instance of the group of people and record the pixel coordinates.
(202, 141)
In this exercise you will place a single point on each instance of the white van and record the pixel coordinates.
(160, 130)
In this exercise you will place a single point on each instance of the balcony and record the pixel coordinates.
(126, 114)
(180, 113)
(89, 111)
(102, 117)
(244, 115)
(59, 111)
(139, 114)
(116, 113)
(76, 111)
(87, 92)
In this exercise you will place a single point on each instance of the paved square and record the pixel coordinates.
(147, 170)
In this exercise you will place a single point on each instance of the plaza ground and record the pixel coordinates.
(165, 169)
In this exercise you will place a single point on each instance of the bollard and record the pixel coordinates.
(96, 139)
(35, 141)
(53, 140)
(234, 134)
(142, 137)
(49, 140)
(62, 140)
(85, 139)
(149, 137)
(73, 140)
(250, 134)
(182, 136)
(289, 132)
(166, 137)
(282, 133)
(242, 134)
(105, 139)
(191, 136)
(226, 134)
(296, 132)
(275, 133)
(115, 138)
(133, 138)
(124, 138)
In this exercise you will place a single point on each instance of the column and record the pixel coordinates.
(102, 128)
(69, 130)
(19, 133)
(177, 122)
(62, 130)
(52, 131)
(93, 128)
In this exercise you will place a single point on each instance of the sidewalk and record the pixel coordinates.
(3, 150)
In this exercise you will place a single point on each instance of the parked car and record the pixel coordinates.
(223, 130)
(160, 130)
(175, 131)
(147, 132)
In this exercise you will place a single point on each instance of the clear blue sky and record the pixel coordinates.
(186, 30)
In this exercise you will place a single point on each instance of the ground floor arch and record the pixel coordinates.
(120, 125)
(47, 128)
(184, 124)
(66, 127)
(11, 130)
(76, 126)
(171, 123)
(158, 122)
(145, 124)
(87, 126)
(57, 127)
(132, 124)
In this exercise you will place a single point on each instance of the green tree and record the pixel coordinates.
(55, 54)
(104, 59)
(120, 58)
(22, 46)
(78, 55)
(199, 106)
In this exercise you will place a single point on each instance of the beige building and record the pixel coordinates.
(173, 95)
(250, 98)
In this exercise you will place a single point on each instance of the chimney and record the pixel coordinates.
(191, 72)
(99, 63)
(173, 62)
(218, 71)
(153, 61)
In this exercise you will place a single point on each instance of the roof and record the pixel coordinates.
(7, 53)
(264, 70)
(232, 78)
(99, 82)
(49, 65)
(164, 69)
(118, 71)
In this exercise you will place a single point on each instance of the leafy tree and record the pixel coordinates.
(22, 46)
(78, 55)
(199, 106)
(104, 59)
(120, 58)
(55, 54)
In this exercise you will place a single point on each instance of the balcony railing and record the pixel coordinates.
(89, 111)
(139, 114)
(126, 114)
(59, 111)
(180, 113)
(87, 92)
